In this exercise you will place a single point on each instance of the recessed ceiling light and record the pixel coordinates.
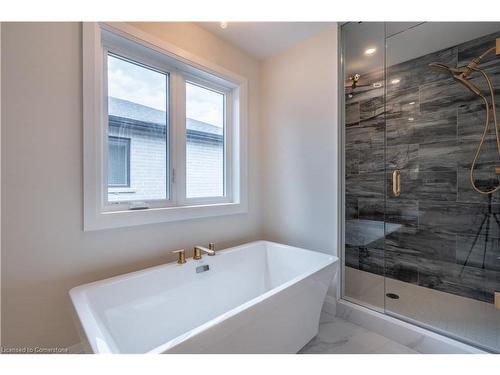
(395, 81)
(411, 103)
(370, 51)
(223, 25)
(377, 85)
(410, 119)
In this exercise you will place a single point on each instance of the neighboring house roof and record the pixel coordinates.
(133, 111)
(125, 113)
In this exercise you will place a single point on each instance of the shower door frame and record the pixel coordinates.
(341, 166)
(341, 160)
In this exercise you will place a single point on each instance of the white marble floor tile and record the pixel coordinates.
(338, 336)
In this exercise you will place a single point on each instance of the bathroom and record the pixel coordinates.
(305, 186)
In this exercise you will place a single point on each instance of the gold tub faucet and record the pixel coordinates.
(198, 250)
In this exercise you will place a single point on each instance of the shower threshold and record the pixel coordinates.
(471, 322)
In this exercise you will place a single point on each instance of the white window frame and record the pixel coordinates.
(130, 42)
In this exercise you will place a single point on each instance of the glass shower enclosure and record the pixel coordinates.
(421, 174)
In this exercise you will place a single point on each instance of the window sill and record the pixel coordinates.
(121, 190)
(118, 219)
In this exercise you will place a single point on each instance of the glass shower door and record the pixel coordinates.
(442, 237)
(363, 266)
(422, 243)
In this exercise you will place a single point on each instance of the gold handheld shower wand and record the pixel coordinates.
(461, 74)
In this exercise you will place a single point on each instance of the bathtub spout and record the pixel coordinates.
(198, 250)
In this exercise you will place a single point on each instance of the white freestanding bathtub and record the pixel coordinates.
(260, 297)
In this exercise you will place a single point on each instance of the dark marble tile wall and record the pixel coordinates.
(429, 127)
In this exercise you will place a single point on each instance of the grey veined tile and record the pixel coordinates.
(403, 212)
(403, 103)
(351, 160)
(423, 243)
(438, 156)
(417, 72)
(372, 158)
(419, 128)
(366, 134)
(467, 149)
(471, 117)
(404, 156)
(485, 178)
(372, 209)
(366, 185)
(352, 114)
(437, 185)
(436, 126)
(447, 93)
(371, 108)
(458, 218)
(351, 207)
(480, 251)
(472, 282)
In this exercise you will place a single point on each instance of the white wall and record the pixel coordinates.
(44, 250)
(299, 121)
(292, 170)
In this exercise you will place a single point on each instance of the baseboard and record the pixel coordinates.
(412, 336)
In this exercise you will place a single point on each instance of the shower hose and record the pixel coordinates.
(485, 133)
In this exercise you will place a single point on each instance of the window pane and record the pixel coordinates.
(205, 142)
(137, 109)
(118, 161)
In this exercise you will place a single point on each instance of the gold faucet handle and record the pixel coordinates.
(196, 253)
(211, 246)
(181, 256)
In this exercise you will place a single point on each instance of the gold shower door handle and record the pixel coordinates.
(396, 182)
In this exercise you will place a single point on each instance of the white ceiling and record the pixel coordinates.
(263, 39)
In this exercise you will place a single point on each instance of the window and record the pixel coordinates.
(137, 110)
(205, 119)
(118, 162)
(164, 132)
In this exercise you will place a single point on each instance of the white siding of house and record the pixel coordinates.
(205, 167)
(148, 170)
(148, 178)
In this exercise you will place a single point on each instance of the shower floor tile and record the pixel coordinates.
(338, 336)
(465, 319)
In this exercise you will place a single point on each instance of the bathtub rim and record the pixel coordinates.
(90, 324)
